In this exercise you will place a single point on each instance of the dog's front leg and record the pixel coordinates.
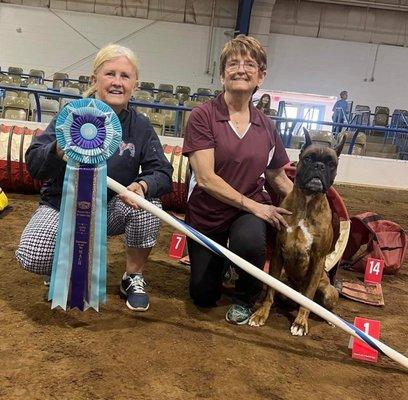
(300, 326)
(259, 317)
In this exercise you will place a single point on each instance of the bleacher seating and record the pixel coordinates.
(169, 115)
(49, 108)
(58, 80)
(164, 90)
(148, 86)
(399, 118)
(146, 97)
(7, 80)
(172, 122)
(15, 70)
(16, 108)
(158, 122)
(33, 103)
(204, 91)
(84, 82)
(36, 75)
(359, 147)
(183, 93)
(16, 76)
(323, 138)
(72, 90)
(363, 114)
(381, 116)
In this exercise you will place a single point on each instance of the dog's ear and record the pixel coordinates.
(308, 141)
(340, 145)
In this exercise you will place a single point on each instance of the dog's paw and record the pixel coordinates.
(299, 329)
(258, 319)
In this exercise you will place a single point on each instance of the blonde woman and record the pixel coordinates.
(232, 147)
(114, 78)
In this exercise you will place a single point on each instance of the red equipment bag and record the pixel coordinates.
(373, 236)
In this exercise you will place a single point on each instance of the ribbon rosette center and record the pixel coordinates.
(88, 131)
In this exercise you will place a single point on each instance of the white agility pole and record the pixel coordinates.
(261, 275)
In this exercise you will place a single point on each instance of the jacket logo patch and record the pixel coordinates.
(126, 146)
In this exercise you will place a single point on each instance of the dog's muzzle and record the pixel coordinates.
(315, 178)
(315, 185)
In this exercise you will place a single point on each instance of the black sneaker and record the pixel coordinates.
(132, 286)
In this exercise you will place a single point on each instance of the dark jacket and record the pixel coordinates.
(140, 157)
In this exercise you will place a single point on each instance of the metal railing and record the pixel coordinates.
(287, 127)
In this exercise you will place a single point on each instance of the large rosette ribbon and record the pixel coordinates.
(89, 132)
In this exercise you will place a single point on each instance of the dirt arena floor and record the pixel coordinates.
(174, 351)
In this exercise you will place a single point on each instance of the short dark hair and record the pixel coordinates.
(343, 92)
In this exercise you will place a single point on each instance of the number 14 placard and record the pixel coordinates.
(374, 270)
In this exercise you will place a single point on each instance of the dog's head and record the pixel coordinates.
(317, 166)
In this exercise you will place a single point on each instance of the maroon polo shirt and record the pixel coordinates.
(241, 162)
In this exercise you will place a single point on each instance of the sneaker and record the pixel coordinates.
(238, 314)
(132, 286)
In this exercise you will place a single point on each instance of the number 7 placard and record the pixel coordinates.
(177, 244)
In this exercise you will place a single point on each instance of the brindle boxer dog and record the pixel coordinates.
(302, 248)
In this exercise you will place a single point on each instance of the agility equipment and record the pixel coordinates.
(88, 131)
(14, 141)
(261, 275)
(372, 236)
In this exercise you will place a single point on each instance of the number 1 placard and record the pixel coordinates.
(360, 350)
(374, 270)
(177, 244)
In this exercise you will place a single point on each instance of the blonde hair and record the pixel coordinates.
(243, 45)
(108, 53)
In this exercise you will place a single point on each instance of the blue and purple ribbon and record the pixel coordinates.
(89, 132)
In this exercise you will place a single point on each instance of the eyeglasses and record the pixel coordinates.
(249, 66)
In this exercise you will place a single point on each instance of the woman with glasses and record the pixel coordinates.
(233, 148)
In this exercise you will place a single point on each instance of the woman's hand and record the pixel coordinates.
(271, 214)
(139, 188)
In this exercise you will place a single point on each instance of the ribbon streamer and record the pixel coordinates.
(89, 132)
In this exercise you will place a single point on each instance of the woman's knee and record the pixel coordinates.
(36, 259)
(248, 233)
(35, 251)
(248, 243)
